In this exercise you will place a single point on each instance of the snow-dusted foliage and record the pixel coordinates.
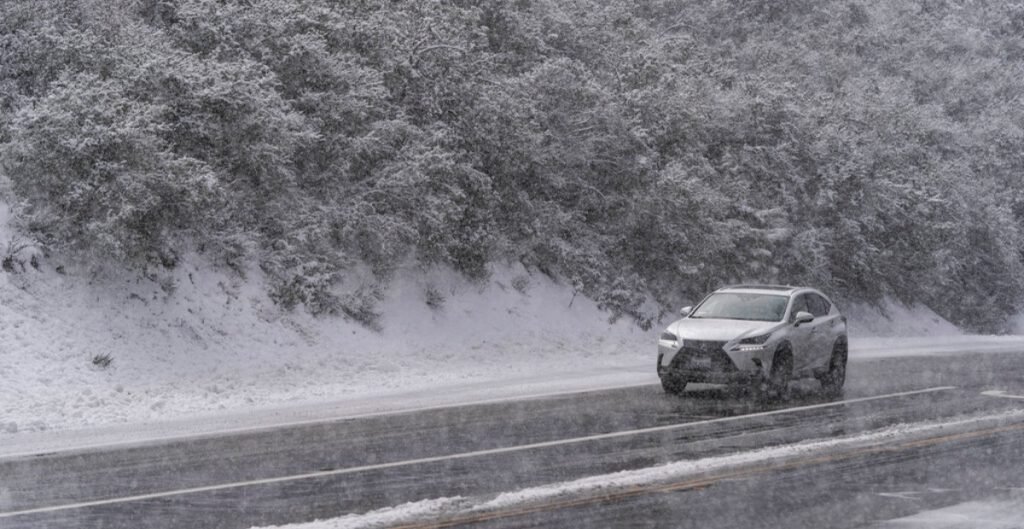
(637, 150)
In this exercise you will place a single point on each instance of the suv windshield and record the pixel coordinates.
(742, 306)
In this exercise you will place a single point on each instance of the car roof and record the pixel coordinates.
(764, 289)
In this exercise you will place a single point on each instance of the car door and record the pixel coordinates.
(800, 336)
(822, 336)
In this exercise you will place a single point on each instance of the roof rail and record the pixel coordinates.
(762, 287)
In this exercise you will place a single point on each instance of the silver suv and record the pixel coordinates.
(763, 335)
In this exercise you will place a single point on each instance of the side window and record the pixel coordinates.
(799, 305)
(819, 307)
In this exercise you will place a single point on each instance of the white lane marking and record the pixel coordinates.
(146, 441)
(916, 495)
(464, 455)
(910, 496)
(1001, 394)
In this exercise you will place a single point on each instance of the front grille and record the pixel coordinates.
(703, 356)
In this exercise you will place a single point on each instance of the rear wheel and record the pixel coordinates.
(672, 385)
(833, 380)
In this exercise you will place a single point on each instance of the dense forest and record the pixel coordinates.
(639, 150)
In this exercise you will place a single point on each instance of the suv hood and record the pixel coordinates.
(720, 330)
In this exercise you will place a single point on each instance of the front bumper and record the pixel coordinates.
(710, 377)
(706, 362)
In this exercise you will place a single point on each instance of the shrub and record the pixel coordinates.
(102, 361)
(360, 306)
(521, 283)
(96, 177)
(433, 297)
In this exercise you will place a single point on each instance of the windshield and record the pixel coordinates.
(742, 306)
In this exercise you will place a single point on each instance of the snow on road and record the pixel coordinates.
(674, 472)
(991, 514)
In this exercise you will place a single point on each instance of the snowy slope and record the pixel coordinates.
(218, 343)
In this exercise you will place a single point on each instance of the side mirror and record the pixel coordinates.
(803, 317)
(685, 311)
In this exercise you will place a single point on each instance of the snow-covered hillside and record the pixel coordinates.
(217, 342)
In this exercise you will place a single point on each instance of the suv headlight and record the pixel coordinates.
(753, 343)
(669, 337)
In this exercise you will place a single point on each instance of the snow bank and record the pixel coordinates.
(894, 319)
(872, 347)
(989, 514)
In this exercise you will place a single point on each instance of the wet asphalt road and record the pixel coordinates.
(851, 492)
(353, 466)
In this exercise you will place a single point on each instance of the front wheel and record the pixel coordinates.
(832, 381)
(672, 385)
(774, 386)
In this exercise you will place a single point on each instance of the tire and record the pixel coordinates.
(832, 381)
(774, 386)
(672, 385)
